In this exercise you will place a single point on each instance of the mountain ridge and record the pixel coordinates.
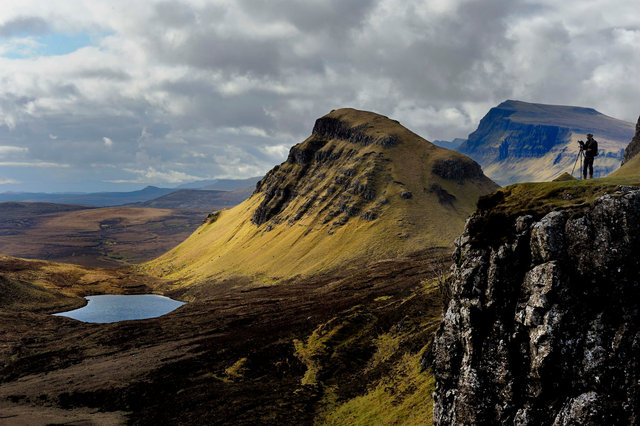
(519, 141)
(360, 187)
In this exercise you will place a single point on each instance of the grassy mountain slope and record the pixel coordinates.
(36, 285)
(360, 188)
(518, 141)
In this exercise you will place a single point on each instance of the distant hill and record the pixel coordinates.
(359, 189)
(90, 236)
(197, 199)
(222, 184)
(518, 141)
(97, 199)
(453, 145)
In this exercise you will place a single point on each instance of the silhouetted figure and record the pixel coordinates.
(590, 151)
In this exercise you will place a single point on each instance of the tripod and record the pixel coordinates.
(581, 157)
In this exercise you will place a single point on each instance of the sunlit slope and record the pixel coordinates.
(360, 188)
(524, 142)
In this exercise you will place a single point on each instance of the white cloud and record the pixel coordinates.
(277, 151)
(151, 175)
(4, 150)
(8, 181)
(107, 142)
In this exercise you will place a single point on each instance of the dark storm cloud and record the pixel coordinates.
(24, 25)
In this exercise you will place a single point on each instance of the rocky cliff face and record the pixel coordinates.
(304, 174)
(634, 147)
(543, 326)
(518, 141)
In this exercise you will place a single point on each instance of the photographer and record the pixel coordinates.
(590, 148)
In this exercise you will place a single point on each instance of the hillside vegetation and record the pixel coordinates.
(360, 188)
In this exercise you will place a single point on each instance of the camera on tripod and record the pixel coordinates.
(581, 143)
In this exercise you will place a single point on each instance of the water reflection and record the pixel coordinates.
(113, 308)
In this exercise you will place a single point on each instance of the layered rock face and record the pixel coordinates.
(519, 141)
(543, 326)
(304, 174)
(634, 147)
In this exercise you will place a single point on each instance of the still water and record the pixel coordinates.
(113, 308)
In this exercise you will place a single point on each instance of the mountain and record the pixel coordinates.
(631, 161)
(518, 141)
(197, 199)
(453, 145)
(359, 189)
(97, 199)
(221, 184)
(543, 317)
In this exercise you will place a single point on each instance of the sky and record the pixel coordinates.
(116, 95)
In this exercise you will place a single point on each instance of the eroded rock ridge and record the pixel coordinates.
(543, 325)
(634, 146)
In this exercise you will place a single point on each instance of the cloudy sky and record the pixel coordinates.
(115, 95)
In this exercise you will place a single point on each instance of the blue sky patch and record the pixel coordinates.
(52, 44)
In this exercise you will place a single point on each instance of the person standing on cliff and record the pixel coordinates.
(590, 152)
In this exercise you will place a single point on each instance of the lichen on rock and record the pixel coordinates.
(543, 327)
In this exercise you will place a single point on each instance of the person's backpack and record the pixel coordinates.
(595, 149)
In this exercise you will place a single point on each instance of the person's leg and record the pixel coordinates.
(591, 168)
(584, 169)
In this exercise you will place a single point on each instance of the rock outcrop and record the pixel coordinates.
(634, 146)
(543, 326)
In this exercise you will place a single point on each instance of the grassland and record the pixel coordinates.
(40, 286)
(231, 355)
(99, 237)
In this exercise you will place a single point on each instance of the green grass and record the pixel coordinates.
(403, 397)
(537, 199)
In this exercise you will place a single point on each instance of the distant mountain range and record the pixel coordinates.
(198, 199)
(519, 141)
(222, 184)
(452, 145)
(104, 199)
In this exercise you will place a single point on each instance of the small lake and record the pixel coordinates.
(113, 308)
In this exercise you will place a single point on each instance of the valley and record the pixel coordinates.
(101, 237)
(237, 354)
(318, 300)
(109, 236)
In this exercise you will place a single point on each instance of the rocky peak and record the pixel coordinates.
(543, 326)
(326, 177)
(353, 165)
(334, 128)
(634, 146)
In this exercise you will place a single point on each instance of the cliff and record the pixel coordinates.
(519, 141)
(543, 322)
(634, 146)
